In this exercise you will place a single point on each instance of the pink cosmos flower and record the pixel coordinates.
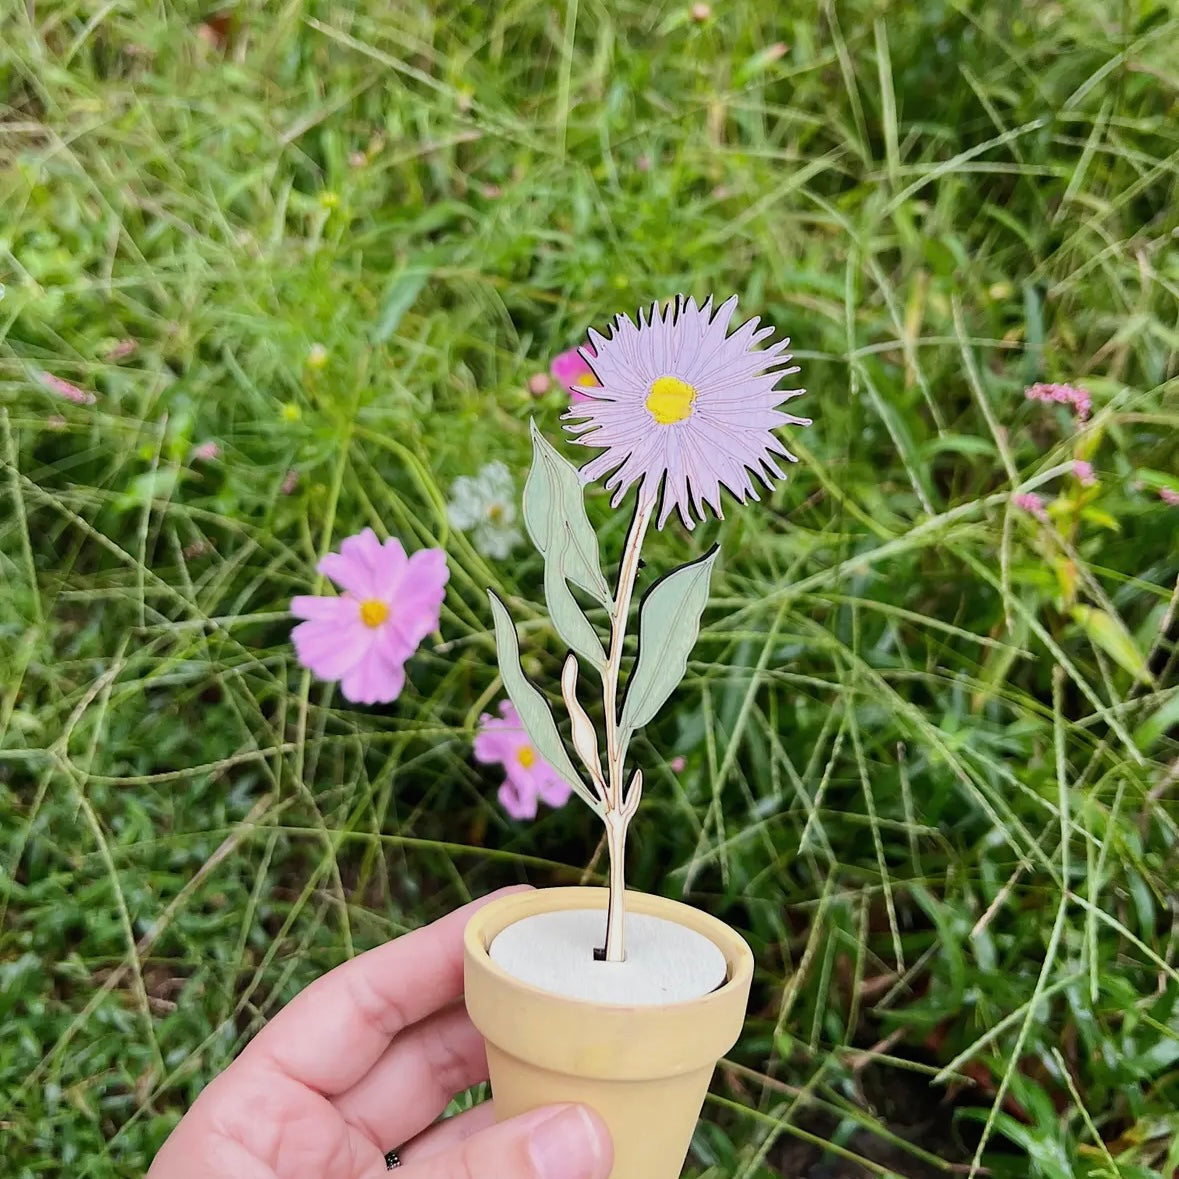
(65, 389)
(390, 603)
(685, 406)
(571, 370)
(1169, 497)
(1084, 473)
(529, 777)
(1031, 503)
(1080, 399)
(206, 452)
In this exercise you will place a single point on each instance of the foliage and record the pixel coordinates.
(929, 739)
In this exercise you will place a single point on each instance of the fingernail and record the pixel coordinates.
(565, 1146)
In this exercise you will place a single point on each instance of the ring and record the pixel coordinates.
(391, 1160)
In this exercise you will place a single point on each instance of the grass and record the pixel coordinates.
(931, 762)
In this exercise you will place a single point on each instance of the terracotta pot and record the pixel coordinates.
(645, 1069)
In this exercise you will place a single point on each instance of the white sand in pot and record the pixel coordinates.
(665, 962)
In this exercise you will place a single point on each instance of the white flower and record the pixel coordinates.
(485, 506)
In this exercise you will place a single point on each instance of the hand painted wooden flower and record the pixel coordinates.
(682, 409)
(682, 402)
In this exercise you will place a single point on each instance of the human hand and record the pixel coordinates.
(364, 1061)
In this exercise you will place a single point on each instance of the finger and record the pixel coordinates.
(448, 1133)
(555, 1142)
(333, 1032)
(416, 1077)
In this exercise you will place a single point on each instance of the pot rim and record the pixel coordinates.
(486, 924)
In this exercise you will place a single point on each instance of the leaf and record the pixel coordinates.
(669, 622)
(1108, 633)
(553, 495)
(535, 714)
(401, 295)
(570, 623)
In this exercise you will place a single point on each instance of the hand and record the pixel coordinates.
(364, 1061)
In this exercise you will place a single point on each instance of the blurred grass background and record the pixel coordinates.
(930, 740)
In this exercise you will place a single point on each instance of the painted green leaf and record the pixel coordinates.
(1108, 633)
(669, 622)
(570, 623)
(535, 715)
(552, 495)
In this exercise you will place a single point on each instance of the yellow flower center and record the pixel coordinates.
(495, 513)
(586, 379)
(670, 400)
(527, 757)
(372, 612)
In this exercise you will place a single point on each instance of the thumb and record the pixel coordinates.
(554, 1142)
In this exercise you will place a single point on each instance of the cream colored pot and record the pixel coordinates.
(645, 1069)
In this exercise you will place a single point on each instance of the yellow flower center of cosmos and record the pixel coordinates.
(372, 612)
(527, 757)
(670, 400)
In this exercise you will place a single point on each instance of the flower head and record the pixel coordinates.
(683, 403)
(571, 370)
(1031, 503)
(66, 389)
(390, 603)
(485, 506)
(206, 452)
(539, 384)
(1072, 395)
(529, 777)
(1168, 496)
(1084, 473)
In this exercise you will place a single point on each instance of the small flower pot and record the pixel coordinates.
(644, 1068)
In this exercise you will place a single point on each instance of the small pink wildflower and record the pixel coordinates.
(363, 638)
(1084, 473)
(677, 764)
(1031, 503)
(290, 482)
(120, 350)
(643, 163)
(1169, 497)
(701, 12)
(206, 452)
(539, 384)
(529, 777)
(1074, 395)
(65, 389)
(570, 370)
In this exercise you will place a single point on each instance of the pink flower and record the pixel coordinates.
(1073, 395)
(539, 384)
(65, 389)
(289, 482)
(1169, 497)
(570, 370)
(207, 452)
(390, 603)
(1084, 473)
(1031, 503)
(529, 777)
(676, 765)
(120, 350)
